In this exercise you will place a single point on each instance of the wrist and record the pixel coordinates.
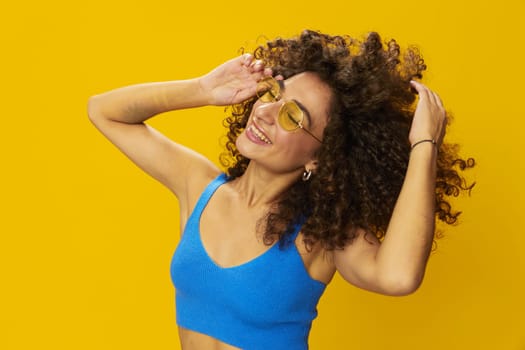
(203, 90)
(424, 150)
(430, 141)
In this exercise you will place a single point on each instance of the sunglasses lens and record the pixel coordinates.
(268, 90)
(290, 116)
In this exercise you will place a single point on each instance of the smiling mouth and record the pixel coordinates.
(258, 134)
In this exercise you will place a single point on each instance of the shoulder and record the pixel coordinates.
(199, 176)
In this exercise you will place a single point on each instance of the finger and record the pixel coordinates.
(433, 98)
(257, 66)
(268, 72)
(247, 59)
(421, 89)
(257, 76)
(417, 86)
(437, 99)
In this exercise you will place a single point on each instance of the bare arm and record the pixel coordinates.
(120, 115)
(397, 265)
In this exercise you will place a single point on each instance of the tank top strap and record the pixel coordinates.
(209, 190)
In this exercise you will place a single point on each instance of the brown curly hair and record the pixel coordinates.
(364, 156)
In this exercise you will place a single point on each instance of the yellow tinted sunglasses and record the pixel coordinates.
(291, 116)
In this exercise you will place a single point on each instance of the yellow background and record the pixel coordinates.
(86, 238)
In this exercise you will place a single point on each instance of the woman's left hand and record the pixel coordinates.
(430, 117)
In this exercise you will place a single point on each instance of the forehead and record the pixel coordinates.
(308, 89)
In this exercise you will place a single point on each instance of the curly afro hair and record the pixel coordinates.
(364, 156)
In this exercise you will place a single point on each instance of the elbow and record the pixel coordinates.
(401, 285)
(95, 110)
(92, 108)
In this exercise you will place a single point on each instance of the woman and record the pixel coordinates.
(330, 167)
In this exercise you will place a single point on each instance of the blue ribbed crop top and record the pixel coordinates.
(266, 303)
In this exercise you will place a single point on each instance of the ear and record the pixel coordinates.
(311, 165)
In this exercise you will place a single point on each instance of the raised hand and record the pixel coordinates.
(234, 81)
(430, 118)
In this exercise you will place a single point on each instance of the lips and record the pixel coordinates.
(257, 135)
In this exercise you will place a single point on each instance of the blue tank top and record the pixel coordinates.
(266, 303)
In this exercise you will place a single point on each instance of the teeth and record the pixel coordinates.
(259, 134)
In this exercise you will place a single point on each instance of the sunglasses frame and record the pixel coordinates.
(275, 97)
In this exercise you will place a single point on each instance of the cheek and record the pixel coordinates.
(297, 149)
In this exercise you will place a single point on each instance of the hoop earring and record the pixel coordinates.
(306, 175)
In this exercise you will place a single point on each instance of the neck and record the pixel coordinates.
(260, 187)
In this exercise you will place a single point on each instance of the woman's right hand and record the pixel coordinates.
(233, 81)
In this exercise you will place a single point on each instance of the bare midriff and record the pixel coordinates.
(191, 340)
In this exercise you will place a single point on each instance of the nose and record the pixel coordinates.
(267, 112)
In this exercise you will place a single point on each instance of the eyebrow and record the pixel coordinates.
(303, 107)
(306, 112)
